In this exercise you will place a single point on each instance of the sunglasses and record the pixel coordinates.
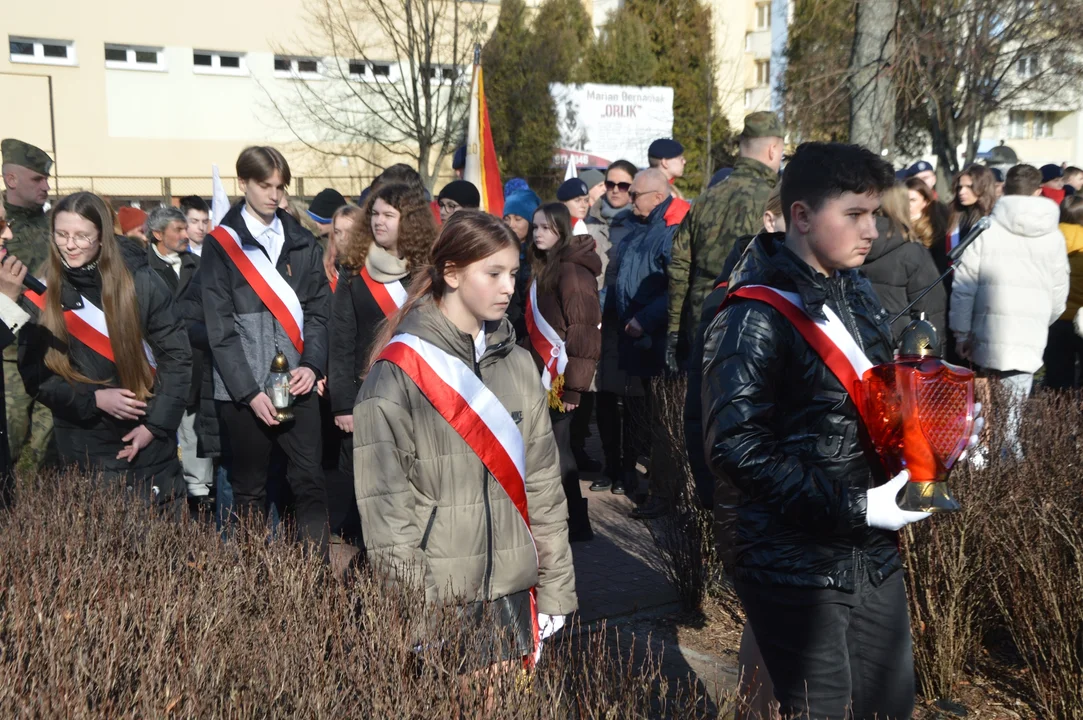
(622, 186)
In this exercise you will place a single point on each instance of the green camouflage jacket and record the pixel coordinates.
(729, 210)
(31, 242)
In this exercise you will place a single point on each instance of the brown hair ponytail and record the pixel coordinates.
(467, 237)
(118, 303)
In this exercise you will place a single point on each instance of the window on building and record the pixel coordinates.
(763, 16)
(358, 68)
(1030, 125)
(297, 66)
(127, 57)
(38, 50)
(381, 70)
(763, 72)
(1027, 66)
(451, 74)
(1043, 125)
(219, 63)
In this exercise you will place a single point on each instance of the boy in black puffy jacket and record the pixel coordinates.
(817, 567)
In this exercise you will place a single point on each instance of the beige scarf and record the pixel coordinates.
(383, 266)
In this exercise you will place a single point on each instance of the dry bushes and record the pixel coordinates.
(107, 610)
(684, 535)
(1004, 577)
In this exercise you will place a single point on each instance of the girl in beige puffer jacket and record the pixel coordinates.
(434, 513)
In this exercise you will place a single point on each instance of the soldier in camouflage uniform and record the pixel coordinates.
(727, 211)
(26, 179)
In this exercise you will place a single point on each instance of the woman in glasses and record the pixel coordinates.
(108, 355)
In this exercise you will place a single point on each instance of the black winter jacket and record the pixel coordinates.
(87, 437)
(241, 331)
(899, 271)
(356, 320)
(177, 285)
(783, 429)
(190, 308)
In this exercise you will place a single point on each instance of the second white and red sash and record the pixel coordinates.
(829, 338)
(474, 412)
(88, 325)
(389, 296)
(545, 340)
(268, 284)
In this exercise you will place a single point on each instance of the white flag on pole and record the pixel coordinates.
(219, 199)
(572, 171)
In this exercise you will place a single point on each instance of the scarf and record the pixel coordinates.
(383, 266)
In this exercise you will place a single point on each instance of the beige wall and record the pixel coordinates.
(113, 122)
(738, 44)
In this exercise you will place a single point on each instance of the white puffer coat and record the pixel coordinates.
(1011, 284)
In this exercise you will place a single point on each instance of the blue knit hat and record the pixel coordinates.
(515, 185)
(523, 203)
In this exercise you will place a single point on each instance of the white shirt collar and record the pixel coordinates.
(256, 227)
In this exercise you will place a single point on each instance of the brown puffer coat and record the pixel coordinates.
(428, 505)
(575, 312)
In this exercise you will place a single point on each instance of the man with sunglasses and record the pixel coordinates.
(732, 209)
(26, 179)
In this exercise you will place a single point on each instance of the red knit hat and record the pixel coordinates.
(129, 218)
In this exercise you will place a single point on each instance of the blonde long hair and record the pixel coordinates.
(118, 303)
(895, 206)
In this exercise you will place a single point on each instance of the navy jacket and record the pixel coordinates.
(641, 283)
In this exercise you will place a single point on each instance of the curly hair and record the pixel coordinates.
(417, 228)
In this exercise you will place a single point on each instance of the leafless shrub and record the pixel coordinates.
(110, 610)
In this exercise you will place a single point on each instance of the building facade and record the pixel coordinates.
(119, 90)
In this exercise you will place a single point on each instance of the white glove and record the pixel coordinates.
(979, 424)
(1079, 322)
(549, 624)
(882, 510)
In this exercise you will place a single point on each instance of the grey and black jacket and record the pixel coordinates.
(242, 333)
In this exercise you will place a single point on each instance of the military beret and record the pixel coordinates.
(458, 160)
(1051, 172)
(720, 176)
(919, 167)
(762, 124)
(665, 148)
(17, 152)
(571, 189)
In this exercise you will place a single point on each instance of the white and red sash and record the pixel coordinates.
(268, 284)
(389, 296)
(88, 325)
(545, 340)
(474, 412)
(829, 338)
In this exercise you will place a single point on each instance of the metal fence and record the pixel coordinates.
(149, 189)
(154, 190)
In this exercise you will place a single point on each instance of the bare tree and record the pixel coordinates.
(957, 65)
(962, 61)
(872, 88)
(382, 79)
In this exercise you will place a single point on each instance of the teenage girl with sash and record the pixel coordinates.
(108, 355)
(563, 319)
(264, 291)
(377, 255)
(455, 465)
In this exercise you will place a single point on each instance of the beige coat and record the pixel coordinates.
(432, 514)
